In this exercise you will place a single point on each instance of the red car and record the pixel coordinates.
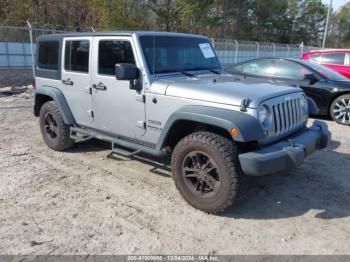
(336, 59)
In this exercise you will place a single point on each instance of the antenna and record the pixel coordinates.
(154, 47)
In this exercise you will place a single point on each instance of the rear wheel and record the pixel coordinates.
(55, 132)
(206, 171)
(340, 110)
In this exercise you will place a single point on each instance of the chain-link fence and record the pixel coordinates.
(235, 51)
(18, 47)
(17, 53)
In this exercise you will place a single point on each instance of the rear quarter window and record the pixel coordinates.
(48, 55)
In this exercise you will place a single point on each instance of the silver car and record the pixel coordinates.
(165, 94)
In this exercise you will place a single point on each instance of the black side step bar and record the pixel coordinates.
(116, 141)
(124, 152)
(79, 137)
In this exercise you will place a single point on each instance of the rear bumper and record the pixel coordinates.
(286, 154)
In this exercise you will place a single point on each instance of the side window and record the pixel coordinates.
(316, 58)
(257, 67)
(332, 58)
(111, 53)
(289, 69)
(76, 57)
(48, 55)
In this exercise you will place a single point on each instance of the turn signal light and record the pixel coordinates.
(234, 132)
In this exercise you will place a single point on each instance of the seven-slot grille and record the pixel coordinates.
(287, 116)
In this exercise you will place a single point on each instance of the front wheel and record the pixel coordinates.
(340, 110)
(206, 171)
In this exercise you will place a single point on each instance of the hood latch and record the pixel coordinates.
(245, 103)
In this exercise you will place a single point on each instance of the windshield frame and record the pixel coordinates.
(177, 71)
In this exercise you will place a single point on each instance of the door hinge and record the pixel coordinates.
(141, 124)
(90, 113)
(141, 98)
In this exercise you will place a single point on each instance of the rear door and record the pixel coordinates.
(76, 81)
(118, 109)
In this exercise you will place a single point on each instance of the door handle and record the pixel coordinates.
(99, 86)
(67, 82)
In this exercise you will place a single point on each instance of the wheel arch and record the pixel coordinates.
(334, 97)
(189, 119)
(45, 94)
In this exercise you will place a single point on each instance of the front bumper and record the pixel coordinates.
(286, 154)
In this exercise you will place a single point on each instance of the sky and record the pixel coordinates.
(336, 3)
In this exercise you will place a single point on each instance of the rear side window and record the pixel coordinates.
(48, 55)
(331, 58)
(111, 53)
(76, 57)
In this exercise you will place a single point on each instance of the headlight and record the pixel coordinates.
(263, 115)
(304, 104)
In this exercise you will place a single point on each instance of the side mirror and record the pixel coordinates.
(311, 77)
(126, 71)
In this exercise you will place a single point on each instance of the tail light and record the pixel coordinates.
(33, 83)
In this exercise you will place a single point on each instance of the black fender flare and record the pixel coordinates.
(249, 127)
(313, 108)
(60, 101)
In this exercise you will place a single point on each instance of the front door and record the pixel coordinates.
(118, 110)
(76, 81)
(294, 74)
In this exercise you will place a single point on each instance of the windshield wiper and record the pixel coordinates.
(205, 68)
(173, 71)
(186, 73)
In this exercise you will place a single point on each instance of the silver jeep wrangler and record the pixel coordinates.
(165, 94)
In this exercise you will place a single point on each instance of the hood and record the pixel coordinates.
(223, 89)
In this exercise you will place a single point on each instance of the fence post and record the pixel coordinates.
(31, 46)
(274, 49)
(257, 49)
(301, 48)
(236, 52)
(212, 41)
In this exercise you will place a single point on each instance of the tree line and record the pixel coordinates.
(280, 21)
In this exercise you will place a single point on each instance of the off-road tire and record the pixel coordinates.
(334, 107)
(62, 141)
(224, 153)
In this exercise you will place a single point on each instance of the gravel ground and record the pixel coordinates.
(88, 201)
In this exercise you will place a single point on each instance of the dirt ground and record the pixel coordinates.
(88, 201)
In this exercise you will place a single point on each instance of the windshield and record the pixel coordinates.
(326, 72)
(165, 54)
